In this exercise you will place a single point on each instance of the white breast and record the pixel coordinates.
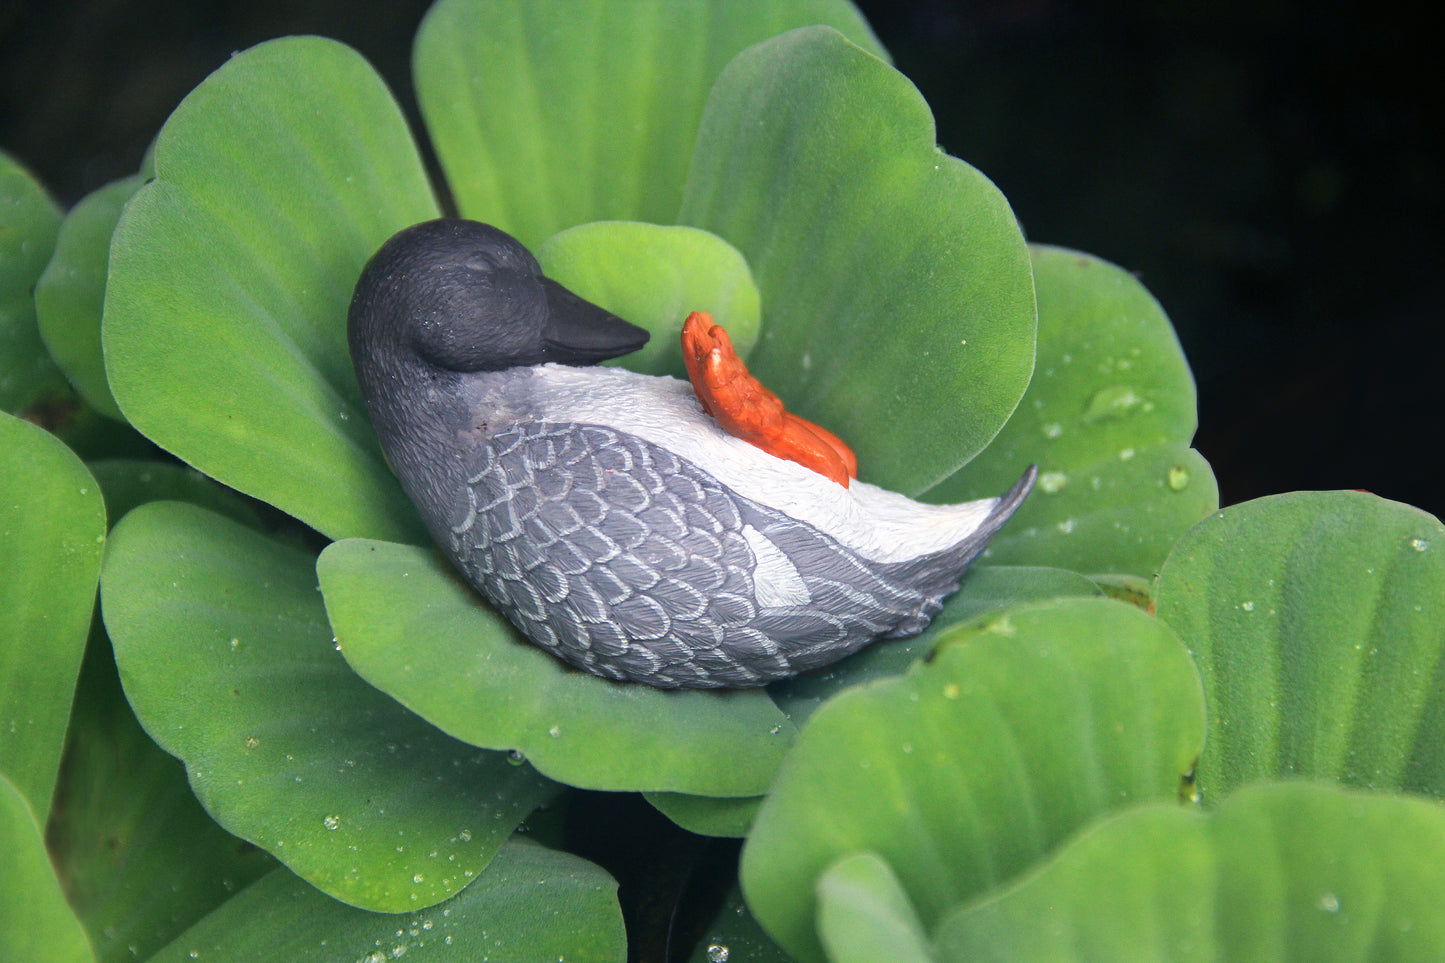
(876, 523)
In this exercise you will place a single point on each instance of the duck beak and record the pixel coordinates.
(578, 332)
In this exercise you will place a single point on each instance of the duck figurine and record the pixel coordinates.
(637, 527)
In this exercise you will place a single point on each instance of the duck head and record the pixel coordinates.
(458, 296)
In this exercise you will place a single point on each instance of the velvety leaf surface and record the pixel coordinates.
(223, 646)
(128, 482)
(549, 115)
(1317, 620)
(531, 904)
(864, 914)
(29, 221)
(1107, 418)
(736, 933)
(231, 273)
(708, 815)
(1279, 872)
(413, 629)
(1023, 727)
(70, 294)
(35, 922)
(137, 855)
(898, 300)
(985, 588)
(52, 534)
(655, 276)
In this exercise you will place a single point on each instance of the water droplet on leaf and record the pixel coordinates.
(1114, 401)
(1179, 478)
(1053, 481)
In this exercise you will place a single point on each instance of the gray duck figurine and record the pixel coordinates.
(607, 514)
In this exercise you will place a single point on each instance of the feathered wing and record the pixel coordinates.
(631, 562)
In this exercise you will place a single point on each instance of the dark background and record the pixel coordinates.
(1272, 171)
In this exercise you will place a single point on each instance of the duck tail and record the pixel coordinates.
(938, 573)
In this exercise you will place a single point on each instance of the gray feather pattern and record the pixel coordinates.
(630, 562)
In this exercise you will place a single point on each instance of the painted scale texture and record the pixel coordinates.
(603, 512)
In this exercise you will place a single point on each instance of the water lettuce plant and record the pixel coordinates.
(1144, 727)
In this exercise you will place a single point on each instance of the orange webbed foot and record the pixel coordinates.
(745, 409)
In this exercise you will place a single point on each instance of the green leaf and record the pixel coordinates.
(35, 922)
(654, 277)
(864, 914)
(1317, 620)
(708, 815)
(549, 115)
(231, 274)
(898, 300)
(137, 855)
(71, 293)
(129, 482)
(1279, 872)
(413, 629)
(1127, 588)
(531, 904)
(1107, 418)
(29, 221)
(226, 656)
(985, 588)
(1021, 729)
(52, 533)
(735, 935)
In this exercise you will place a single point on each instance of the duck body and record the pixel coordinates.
(603, 512)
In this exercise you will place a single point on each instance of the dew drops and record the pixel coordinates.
(1066, 526)
(1052, 481)
(717, 953)
(1178, 478)
(332, 822)
(252, 742)
(1125, 454)
(951, 691)
(555, 731)
(1053, 430)
(775, 730)
(1419, 544)
(1114, 401)
(235, 644)
(1247, 606)
(1330, 903)
(418, 878)
(515, 757)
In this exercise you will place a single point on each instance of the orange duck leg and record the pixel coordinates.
(745, 409)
